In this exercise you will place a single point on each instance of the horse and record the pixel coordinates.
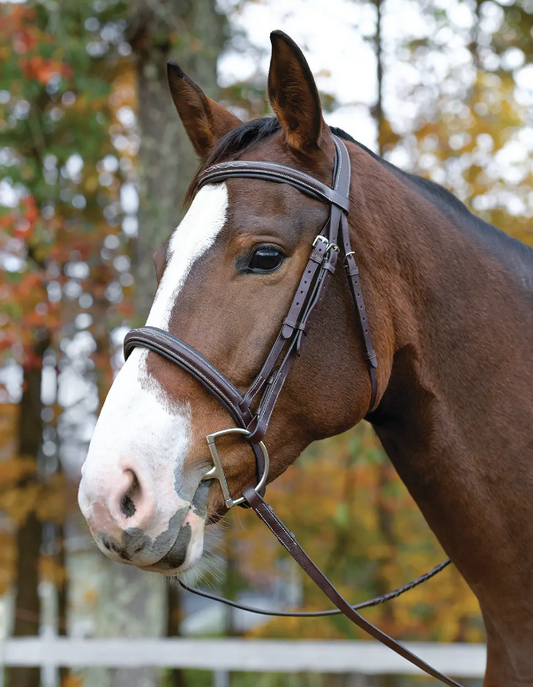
(449, 305)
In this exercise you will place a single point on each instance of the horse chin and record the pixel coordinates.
(186, 550)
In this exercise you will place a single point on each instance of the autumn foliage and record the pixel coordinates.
(67, 151)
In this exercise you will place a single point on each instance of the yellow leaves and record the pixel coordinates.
(52, 570)
(17, 469)
(19, 502)
(91, 183)
(72, 680)
(21, 493)
(7, 561)
(388, 138)
(298, 628)
(51, 505)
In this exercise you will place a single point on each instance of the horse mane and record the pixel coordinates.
(249, 134)
(489, 236)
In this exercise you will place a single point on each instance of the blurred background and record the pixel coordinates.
(93, 166)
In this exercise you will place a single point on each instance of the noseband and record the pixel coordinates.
(251, 411)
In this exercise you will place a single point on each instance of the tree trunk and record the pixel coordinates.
(29, 534)
(62, 600)
(379, 75)
(177, 676)
(193, 34)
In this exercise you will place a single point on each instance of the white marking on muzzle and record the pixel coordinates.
(140, 428)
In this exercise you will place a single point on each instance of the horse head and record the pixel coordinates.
(226, 278)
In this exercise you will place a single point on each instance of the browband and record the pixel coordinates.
(271, 171)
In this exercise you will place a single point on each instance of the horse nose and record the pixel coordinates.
(117, 503)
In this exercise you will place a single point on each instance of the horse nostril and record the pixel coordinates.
(130, 496)
(127, 503)
(127, 506)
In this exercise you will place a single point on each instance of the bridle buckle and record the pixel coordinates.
(321, 238)
(330, 245)
(217, 471)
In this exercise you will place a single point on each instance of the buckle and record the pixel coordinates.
(329, 245)
(321, 238)
(217, 471)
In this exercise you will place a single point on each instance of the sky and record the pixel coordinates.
(336, 37)
(332, 36)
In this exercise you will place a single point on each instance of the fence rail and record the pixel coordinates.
(367, 658)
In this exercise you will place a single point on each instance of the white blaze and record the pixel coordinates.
(140, 428)
(194, 236)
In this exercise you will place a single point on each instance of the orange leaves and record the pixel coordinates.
(21, 492)
(30, 211)
(298, 628)
(41, 69)
(20, 34)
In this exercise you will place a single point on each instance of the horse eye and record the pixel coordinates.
(266, 259)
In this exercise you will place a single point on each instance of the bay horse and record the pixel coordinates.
(449, 302)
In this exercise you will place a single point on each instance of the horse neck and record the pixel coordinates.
(456, 417)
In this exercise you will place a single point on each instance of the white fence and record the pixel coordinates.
(367, 658)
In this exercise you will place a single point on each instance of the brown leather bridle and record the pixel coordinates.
(252, 410)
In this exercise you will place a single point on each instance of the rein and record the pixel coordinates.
(252, 410)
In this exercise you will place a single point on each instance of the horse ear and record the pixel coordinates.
(294, 96)
(205, 121)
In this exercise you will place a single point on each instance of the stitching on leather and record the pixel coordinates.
(279, 523)
(238, 163)
(196, 355)
(322, 190)
(258, 381)
(349, 175)
(238, 412)
(268, 525)
(256, 385)
(267, 401)
(340, 164)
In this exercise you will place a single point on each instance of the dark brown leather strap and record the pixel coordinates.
(352, 272)
(307, 297)
(271, 171)
(288, 541)
(291, 324)
(189, 359)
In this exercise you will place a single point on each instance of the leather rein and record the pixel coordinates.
(251, 411)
